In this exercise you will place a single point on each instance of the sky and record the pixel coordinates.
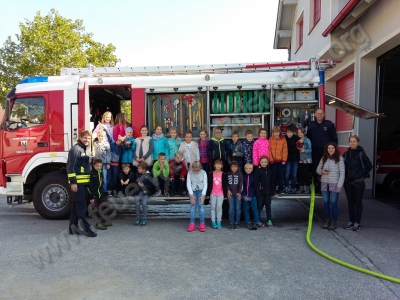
(161, 33)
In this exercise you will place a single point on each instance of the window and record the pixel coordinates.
(316, 11)
(27, 112)
(300, 32)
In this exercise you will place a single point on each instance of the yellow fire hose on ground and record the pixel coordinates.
(338, 261)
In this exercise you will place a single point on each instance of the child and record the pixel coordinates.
(203, 146)
(292, 161)
(261, 146)
(145, 182)
(161, 173)
(249, 198)
(177, 173)
(144, 148)
(197, 187)
(128, 147)
(304, 146)
(160, 143)
(236, 152)
(116, 152)
(173, 142)
(190, 150)
(107, 123)
(278, 157)
(102, 152)
(263, 188)
(120, 126)
(97, 198)
(218, 148)
(126, 177)
(234, 194)
(248, 147)
(217, 184)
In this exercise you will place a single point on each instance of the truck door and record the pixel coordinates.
(27, 132)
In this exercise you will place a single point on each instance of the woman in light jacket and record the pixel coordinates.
(331, 168)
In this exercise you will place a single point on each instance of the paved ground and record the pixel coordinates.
(163, 261)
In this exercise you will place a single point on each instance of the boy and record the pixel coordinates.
(218, 148)
(235, 187)
(161, 172)
(126, 177)
(248, 147)
(177, 173)
(277, 157)
(236, 150)
(97, 197)
(128, 147)
(249, 197)
(146, 183)
(292, 161)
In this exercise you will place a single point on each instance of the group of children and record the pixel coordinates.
(249, 170)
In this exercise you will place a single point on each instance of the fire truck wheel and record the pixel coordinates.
(392, 182)
(51, 196)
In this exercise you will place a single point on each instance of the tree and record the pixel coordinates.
(47, 44)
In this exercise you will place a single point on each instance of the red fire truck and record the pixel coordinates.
(44, 115)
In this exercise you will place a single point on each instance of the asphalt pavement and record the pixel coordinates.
(163, 261)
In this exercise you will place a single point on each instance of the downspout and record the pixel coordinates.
(321, 89)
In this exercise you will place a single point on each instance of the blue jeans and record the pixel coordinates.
(254, 209)
(291, 174)
(197, 204)
(113, 178)
(234, 209)
(104, 172)
(277, 175)
(331, 197)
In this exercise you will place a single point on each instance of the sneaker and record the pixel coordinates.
(260, 225)
(202, 227)
(137, 223)
(144, 223)
(214, 225)
(110, 193)
(349, 226)
(91, 234)
(166, 194)
(219, 225)
(269, 224)
(236, 226)
(115, 192)
(231, 226)
(108, 224)
(356, 227)
(192, 227)
(286, 190)
(249, 225)
(101, 226)
(158, 193)
(293, 191)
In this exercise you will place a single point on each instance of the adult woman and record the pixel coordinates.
(357, 165)
(331, 169)
(144, 148)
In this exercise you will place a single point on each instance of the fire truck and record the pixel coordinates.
(44, 115)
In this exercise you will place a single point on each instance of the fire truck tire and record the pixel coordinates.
(51, 197)
(392, 182)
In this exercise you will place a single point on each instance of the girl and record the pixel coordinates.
(261, 146)
(217, 189)
(358, 166)
(144, 148)
(331, 169)
(120, 126)
(263, 188)
(102, 152)
(197, 187)
(173, 142)
(107, 122)
(160, 143)
(190, 150)
(278, 156)
(203, 145)
(304, 146)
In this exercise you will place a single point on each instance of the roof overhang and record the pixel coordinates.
(351, 108)
(284, 24)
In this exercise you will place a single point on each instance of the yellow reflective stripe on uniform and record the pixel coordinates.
(82, 181)
(71, 175)
(83, 176)
(82, 169)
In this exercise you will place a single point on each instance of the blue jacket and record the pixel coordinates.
(321, 133)
(173, 147)
(114, 148)
(159, 146)
(248, 185)
(307, 149)
(128, 151)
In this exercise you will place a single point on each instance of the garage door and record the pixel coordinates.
(344, 121)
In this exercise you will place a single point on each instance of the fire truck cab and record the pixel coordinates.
(44, 115)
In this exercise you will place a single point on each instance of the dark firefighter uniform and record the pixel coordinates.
(78, 169)
(320, 134)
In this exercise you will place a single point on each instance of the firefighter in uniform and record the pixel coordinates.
(78, 169)
(320, 132)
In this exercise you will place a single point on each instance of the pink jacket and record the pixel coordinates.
(119, 130)
(260, 148)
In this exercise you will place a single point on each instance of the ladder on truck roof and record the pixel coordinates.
(92, 71)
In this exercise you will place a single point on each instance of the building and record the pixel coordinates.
(365, 36)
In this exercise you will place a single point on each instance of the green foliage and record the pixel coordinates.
(47, 44)
(126, 108)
